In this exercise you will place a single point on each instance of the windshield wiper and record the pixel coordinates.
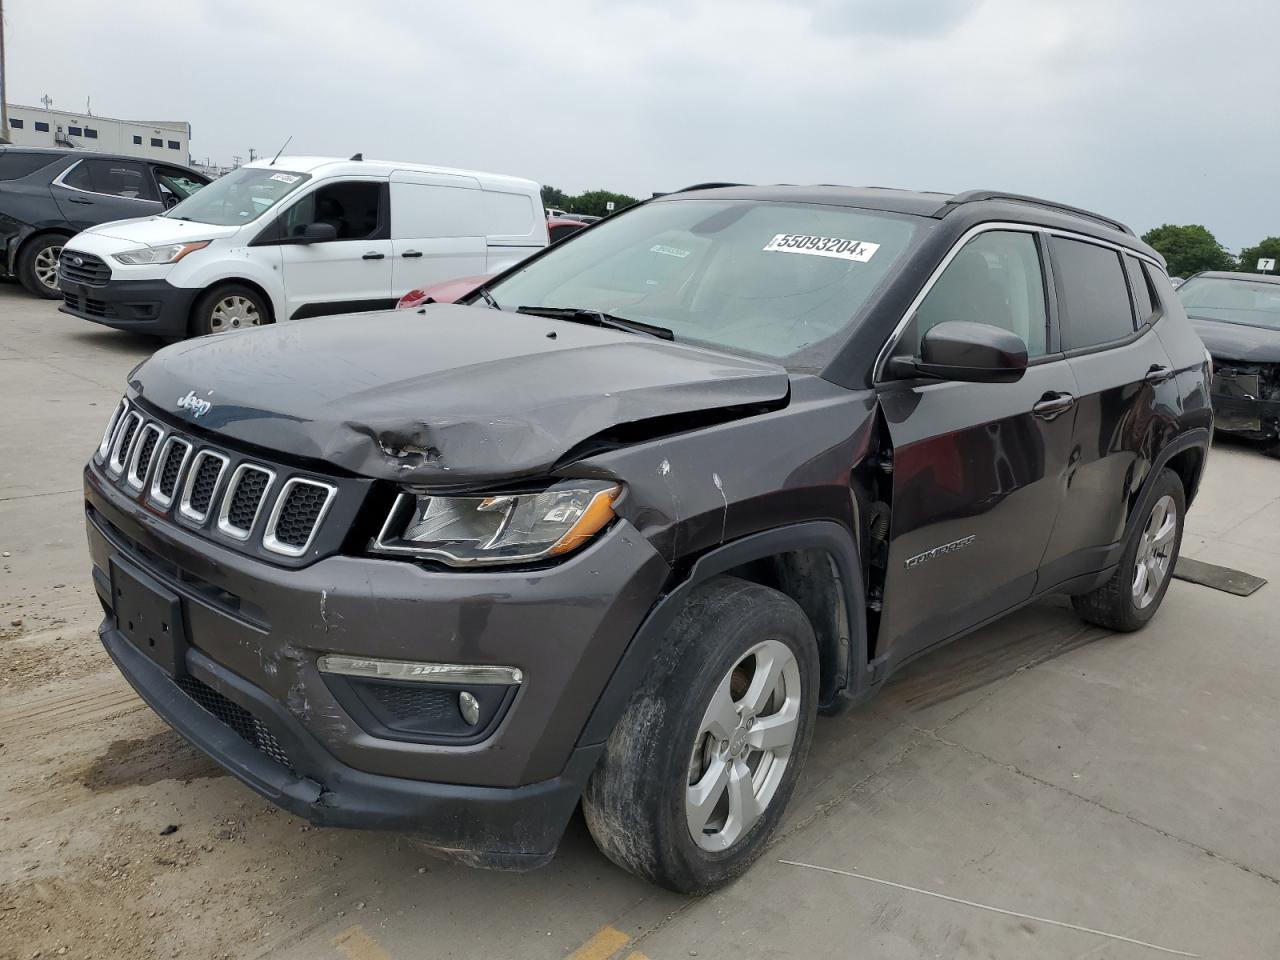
(488, 298)
(598, 319)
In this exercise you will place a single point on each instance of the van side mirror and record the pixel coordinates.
(973, 352)
(319, 233)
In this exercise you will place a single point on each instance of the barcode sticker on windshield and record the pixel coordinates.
(669, 251)
(837, 247)
(284, 177)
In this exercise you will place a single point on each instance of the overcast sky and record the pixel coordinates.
(1150, 110)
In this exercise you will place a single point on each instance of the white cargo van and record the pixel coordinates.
(298, 237)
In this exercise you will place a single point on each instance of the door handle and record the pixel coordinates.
(1158, 373)
(373, 256)
(87, 203)
(411, 253)
(1053, 405)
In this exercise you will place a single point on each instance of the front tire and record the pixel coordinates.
(227, 308)
(37, 266)
(1134, 593)
(700, 767)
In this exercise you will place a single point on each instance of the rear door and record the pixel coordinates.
(99, 190)
(978, 469)
(1127, 397)
(437, 229)
(350, 273)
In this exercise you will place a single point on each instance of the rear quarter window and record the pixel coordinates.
(1093, 295)
(15, 165)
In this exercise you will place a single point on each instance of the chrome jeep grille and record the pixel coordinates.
(207, 489)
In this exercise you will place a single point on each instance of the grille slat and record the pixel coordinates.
(241, 721)
(243, 500)
(296, 516)
(91, 271)
(175, 453)
(206, 481)
(141, 461)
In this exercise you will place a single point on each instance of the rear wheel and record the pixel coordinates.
(228, 308)
(699, 769)
(37, 265)
(1134, 593)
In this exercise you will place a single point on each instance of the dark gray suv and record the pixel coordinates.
(615, 531)
(47, 196)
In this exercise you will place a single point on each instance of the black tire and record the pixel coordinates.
(203, 319)
(1113, 605)
(34, 262)
(635, 801)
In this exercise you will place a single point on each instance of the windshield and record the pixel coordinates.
(781, 280)
(239, 197)
(1255, 303)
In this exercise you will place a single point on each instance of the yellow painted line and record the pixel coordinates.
(606, 942)
(354, 943)
(636, 955)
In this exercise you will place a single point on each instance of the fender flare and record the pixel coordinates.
(1196, 437)
(833, 538)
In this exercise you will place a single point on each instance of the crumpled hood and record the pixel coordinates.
(156, 231)
(450, 395)
(1235, 341)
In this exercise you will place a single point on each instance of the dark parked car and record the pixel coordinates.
(616, 528)
(48, 196)
(1238, 317)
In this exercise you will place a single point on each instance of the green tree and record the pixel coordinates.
(1249, 256)
(551, 197)
(595, 202)
(1189, 249)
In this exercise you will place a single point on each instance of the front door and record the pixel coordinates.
(99, 190)
(978, 469)
(351, 272)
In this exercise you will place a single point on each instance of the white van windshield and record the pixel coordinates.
(241, 196)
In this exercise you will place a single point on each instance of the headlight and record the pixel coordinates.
(169, 253)
(506, 528)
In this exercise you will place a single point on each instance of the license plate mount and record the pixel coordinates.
(150, 616)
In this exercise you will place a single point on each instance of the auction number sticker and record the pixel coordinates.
(667, 251)
(284, 177)
(837, 247)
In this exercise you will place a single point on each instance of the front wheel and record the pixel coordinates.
(1134, 593)
(701, 765)
(228, 308)
(37, 266)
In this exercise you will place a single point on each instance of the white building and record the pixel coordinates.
(155, 139)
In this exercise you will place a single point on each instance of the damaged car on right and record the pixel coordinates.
(614, 528)
(1237, 315)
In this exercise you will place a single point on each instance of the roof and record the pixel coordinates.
(371, 167)
(971, 206)
(76, 152)
(1233, 275)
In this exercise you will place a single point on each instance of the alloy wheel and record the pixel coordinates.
(1155, 550)
(743, 745)
(45, 265)
(232, 313)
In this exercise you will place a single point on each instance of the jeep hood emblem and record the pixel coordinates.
(196, 405)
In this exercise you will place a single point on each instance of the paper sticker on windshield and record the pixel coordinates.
(837, 247)
(284, 177)
(669, 251)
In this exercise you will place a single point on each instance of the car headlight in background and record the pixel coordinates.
(504, 528)
(169, 253)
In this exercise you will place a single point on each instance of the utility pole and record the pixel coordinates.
(4, 87)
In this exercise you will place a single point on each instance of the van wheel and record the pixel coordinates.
(37, 265)
(227, 308)
(1134, 593)
(696, 774)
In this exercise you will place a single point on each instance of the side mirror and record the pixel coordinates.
(973, 352)
(319, 233)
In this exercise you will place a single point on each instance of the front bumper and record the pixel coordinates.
(256, 631)
(1253, 419)
(144, 306)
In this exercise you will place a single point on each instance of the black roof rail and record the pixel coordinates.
(707, 186)
(973, 196)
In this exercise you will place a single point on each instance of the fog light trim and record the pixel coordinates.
(420, 672)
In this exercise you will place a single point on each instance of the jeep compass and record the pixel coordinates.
(618, 526)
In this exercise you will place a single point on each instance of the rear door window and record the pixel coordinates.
(1093, 295)
(1144, 297)
(116, 178)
